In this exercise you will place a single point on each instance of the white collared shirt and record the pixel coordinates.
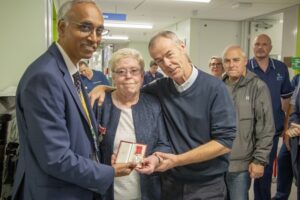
(189, 82)
(71, 67)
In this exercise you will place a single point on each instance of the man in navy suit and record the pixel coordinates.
(58, 133)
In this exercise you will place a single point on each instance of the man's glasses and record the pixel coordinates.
(88, 28)
(216, 64)
(124, 72)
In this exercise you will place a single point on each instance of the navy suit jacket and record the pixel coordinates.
(56, 145)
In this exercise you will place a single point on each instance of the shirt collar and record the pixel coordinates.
(71, 67)
(189, 82)
(254, 64)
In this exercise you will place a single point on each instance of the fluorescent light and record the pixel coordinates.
(241, 5)
(197, 1)
(128, 25)
(115, 37)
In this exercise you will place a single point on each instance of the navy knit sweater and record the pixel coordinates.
(202, 113)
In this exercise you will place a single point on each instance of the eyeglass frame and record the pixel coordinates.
(219, 65)
(91, 27)
(123, 72)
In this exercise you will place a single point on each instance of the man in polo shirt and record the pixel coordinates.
(152, 74)
(91, 77)
(275, 74)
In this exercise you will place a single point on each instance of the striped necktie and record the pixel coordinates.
(77, 83)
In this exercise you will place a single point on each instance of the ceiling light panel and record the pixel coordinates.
(128, 25)
(196, 1)
(115, 37)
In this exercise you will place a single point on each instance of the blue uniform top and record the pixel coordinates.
(278, 81)
(98, 79)
(148, 78)
(295, 81)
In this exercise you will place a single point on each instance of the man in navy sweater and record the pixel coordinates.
(200, 119)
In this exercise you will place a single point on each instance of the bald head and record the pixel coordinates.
(263, 37)
(236, 48)
(262, 46)
(64, 12)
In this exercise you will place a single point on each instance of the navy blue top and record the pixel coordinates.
(295, 81)
(148, 78)
(278, 81)
(149, 129)
(98, 79)
(202, 113)
(295, 118)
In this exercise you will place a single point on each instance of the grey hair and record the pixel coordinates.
(63, 12)
(216, 58)
(126, 53)
(169, 35)
(230, 47)
(164, 34)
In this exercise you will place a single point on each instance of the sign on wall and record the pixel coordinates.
(295, 61)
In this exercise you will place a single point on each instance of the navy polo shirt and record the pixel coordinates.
(98, 79)
(278, 81)
(148, 78)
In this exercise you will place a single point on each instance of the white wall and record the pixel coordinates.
(210, 38)
(275, 33)
(183, 31)
(142, 47)
(22, 37)
(206, 38)
(289, 34)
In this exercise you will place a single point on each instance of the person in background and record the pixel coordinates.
(253, 142)
(152, 74)
(275, 74)
(59, 158)
(216, 66)
(128, 115)
(295, 80)
(91, 77)
(294, 133)
(285, 173)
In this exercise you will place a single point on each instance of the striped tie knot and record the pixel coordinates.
(77, 81)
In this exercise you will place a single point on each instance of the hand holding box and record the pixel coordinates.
(131, 152)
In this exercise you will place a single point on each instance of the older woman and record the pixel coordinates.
(216, 66)
(128, 115)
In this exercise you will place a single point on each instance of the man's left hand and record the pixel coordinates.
(168, 161)
(256, 170)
